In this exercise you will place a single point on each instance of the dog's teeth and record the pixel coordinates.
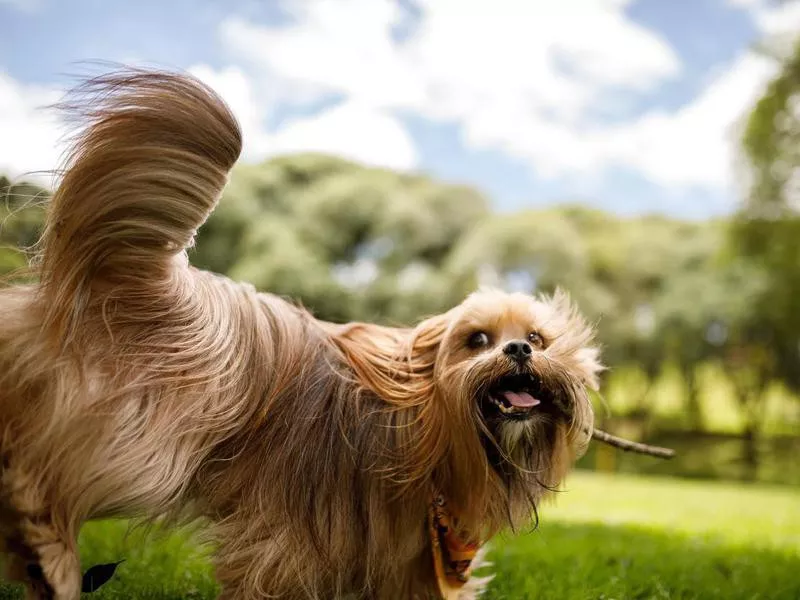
(505, 408)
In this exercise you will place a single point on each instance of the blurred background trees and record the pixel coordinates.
(698, 320)
(21, 215)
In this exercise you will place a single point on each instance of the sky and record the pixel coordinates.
(628, 105)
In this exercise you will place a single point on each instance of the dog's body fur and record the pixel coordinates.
(134, 385)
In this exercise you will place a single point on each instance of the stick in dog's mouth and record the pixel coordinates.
(630, 446)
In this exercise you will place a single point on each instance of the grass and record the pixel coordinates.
(606, 537)
(625, 537)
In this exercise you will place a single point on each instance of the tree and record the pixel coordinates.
(765, 234)
(21, 219)
(766, 231)
(351, 242)
(768, 225)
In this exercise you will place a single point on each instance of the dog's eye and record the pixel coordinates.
(478, 340)
(536, 340)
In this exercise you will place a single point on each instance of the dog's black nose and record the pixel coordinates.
(519, 350)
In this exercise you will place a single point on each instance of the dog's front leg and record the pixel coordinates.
(38, 552)
(59, 565)
(46, 562)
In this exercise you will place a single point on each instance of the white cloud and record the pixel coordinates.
(235, 87)
(334, 46)
(516, 76)
(772, 17)
(353, 131)
(359, 132)
(523, 77)
(779, 20)
(695, 145)
(692, 146)
(32, 134)
(463, 54)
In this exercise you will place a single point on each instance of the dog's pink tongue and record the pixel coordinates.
(521, 399)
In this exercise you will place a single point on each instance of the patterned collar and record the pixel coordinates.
(453, 551)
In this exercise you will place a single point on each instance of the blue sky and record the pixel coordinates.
(627, 105)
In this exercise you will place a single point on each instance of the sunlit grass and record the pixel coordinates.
(613, 536)
(606, 536)
(592, 560)
(752, 514)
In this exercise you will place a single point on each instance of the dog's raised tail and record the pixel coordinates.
(147, 166)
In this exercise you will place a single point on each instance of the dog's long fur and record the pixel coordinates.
(134, 385)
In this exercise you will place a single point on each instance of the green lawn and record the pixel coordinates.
(606, 537)
(613, 536)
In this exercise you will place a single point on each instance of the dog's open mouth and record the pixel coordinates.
(518, 396)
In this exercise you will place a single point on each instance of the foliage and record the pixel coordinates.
(20, 222)
(766, 232)
(349, 242)
(765, 237)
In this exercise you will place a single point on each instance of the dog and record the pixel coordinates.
(328, 460)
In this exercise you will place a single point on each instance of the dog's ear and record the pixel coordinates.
(591, 367)
(424, 344)
(397, 364)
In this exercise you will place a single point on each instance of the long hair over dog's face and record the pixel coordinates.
(510, 376)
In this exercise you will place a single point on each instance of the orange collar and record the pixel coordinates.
(453, 551)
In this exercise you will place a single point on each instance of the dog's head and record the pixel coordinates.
(497, 389)
(518, 365)
(510, 375)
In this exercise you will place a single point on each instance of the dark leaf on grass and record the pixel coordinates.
(98, 575)
(723, 569)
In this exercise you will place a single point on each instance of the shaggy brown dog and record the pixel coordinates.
(330, 460)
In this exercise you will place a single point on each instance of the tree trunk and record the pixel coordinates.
(751, 402)
(750, 451)
(693, 408)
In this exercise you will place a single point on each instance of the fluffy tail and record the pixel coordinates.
(145, 171)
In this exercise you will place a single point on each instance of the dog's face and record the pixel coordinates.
(518, 368)
(498, 388)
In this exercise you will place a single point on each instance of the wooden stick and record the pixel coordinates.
(629, 446)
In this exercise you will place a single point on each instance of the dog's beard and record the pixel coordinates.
(532, 423)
